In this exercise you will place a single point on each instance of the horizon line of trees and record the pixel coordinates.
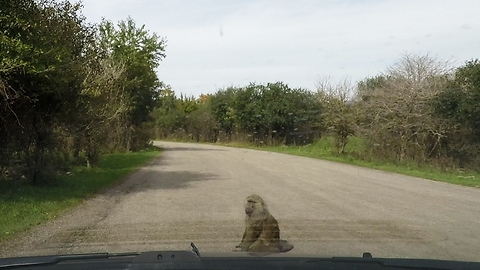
(420, 110)
(266, 114)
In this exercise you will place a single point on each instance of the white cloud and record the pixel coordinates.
(218, 43)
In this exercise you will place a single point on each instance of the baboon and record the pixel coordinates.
(262, 233)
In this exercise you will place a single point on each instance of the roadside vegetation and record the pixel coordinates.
(71, 91)
(24, 206)
(325, 149)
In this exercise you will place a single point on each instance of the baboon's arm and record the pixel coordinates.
(253, 229)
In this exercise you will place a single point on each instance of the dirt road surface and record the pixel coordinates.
(196, 192)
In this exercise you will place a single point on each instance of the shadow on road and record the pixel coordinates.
(188, 149)
(154, 179)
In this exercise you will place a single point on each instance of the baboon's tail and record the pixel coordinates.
(285, 246)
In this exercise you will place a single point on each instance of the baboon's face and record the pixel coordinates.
(253, 203)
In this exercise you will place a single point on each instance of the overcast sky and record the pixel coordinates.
(214, 44)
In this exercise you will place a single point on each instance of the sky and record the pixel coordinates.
(214, 44)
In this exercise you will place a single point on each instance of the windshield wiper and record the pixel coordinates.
(192, 260)
(170, 259)
(49, 260)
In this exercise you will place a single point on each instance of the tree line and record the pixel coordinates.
(71, 90)
(266, 114)
(419, 110)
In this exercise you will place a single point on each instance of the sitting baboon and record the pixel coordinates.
(262, 233)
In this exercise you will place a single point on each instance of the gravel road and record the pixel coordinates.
(196, 192)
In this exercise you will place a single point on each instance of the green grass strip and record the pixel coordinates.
(324, 149)
(25, 206)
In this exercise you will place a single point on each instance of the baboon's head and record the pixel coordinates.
(254, 205)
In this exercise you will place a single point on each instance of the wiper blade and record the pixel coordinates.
(192, 260)
(169, 259)
(49, 260)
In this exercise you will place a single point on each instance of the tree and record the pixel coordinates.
(266, 114)
(396, 114)
(167, 117)
(43, 48)
(275, 113)
(99, 107)
(222, 103)
(459, 104)
(200, 123)
(140, 53)
(461, 98)
(340, 115)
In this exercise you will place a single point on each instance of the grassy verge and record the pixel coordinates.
(323, 149)
(25, 206)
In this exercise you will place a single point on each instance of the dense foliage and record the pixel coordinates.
(64, 83)
(266, 114)
(459, 105)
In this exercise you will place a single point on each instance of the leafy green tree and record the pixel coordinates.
(200, 123)
(140, 53)
(274, 112)
(187, 104)
(100, 106)
(340, 112)
(43, 45)
(222, 103)
(459, 104)
(167, 115)
(461, 98)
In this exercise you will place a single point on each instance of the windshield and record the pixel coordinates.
(328, 128)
